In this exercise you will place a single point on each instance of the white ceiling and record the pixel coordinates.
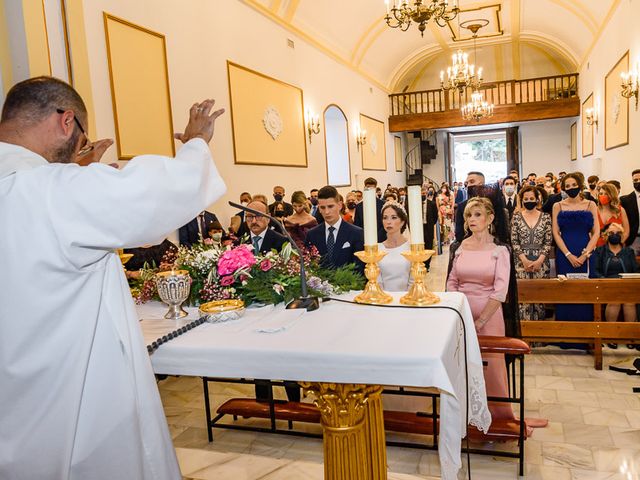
(540, 37)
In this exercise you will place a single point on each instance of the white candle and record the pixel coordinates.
(415, 214)
(370, 218)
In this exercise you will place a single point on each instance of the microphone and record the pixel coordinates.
(306, 301)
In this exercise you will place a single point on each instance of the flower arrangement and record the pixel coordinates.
(236, 272)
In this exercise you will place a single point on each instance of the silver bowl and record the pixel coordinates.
(222, 310)
(173, 288)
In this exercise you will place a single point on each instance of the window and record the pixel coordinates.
(484, 152)
(336, 139)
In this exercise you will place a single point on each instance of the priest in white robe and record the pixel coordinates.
(78, 398)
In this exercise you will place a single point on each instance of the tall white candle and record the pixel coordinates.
(415, 214)
(370, 218)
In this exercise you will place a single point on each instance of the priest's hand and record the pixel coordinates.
(201, 122)
(95, 154)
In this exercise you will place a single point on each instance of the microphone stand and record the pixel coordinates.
(306, 301)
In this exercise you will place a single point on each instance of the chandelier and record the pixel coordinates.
(420, 12)
(460, 74)
(477, 109)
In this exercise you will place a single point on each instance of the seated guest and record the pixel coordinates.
(301, 221)
(350, 207)
(631, 204)
(531, 239)
(609, 212)
(196, 230)
(215, 234)
(260, 236)
(394, 268)
(612, 259)
(149, 254)
(371, 183)
(238, 219)
(278, 195)
(480, 267)
(335, 239)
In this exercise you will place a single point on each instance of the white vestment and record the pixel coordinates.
(78, 399)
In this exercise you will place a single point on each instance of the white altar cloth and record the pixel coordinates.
(343, 343)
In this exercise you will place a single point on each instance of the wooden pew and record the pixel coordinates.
(597, 291)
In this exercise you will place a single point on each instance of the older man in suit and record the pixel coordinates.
(631, 205)
(335, 239)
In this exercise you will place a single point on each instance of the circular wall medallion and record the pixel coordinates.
(272, 122)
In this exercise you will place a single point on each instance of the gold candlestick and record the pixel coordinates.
(372, 292)
(418, 294)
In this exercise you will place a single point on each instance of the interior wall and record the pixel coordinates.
(545, 146)
(619, 35)
(199, 43)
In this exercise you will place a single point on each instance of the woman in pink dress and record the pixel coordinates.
(481, 269)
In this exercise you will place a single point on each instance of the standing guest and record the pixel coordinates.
(78, 395)
(378, 193)
(197, 229)
(547, 207)
(371, 183)
(610, 211)
(358, 195)
(509, 195)
(616, 184)
(631, 205)
(394, 268)
(611, 260)
(531, 178)
(390, 196)
(445, 202)
(301, 221)
(278, 196)
(237, 220)
(350, 207)
(531, 239)
(592, 185)
(313, 200)
(429, 218)
(402, 197)
(480, 267)
(576, 232)
(515, 175)
(336, 240)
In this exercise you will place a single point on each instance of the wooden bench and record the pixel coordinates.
(599, 292)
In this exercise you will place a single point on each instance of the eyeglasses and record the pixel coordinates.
(88, 146)
(252, 218)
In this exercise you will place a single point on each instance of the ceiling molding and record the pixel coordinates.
(560, 67)
(596, 38)
(290, 12)
(579, 11)
(409, 62)
(372, 26)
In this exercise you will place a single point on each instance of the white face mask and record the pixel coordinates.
(216, 237)
(509, 190)
(244, 204)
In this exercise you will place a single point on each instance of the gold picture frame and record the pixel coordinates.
(267, 119)
(574, 141)
(140, 93)
(374, 155)
(397, 150)
(616, 107)
(587, 130)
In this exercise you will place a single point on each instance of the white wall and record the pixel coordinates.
(545, 146)
(200, 39)
(620, 34)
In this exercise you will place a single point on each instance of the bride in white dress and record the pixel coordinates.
(394, 268)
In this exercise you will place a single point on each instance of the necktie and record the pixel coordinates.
(256, 244)
(331, 243)
(510, 203)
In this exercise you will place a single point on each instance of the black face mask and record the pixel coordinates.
(472, 191)
(279, 213)
(278, 197)
(615, 239)
(636, 185)
(592, 186)
(351, 205)
(573, 192)
(530, 205)
(314, 201)
(424, 197)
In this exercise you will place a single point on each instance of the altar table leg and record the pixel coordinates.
(353, 430)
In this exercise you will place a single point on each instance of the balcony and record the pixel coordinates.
(515, 101)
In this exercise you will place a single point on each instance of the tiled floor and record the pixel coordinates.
(593, 432)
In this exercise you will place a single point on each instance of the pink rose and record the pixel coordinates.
(266, 265)
(235, 259)
(226, 281)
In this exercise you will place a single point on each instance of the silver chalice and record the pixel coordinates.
(173, 288)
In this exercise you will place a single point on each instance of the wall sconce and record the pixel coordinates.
(361, 137)
(630, 85)
(591, 116)
(313, 124)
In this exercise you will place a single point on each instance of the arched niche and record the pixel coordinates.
(336, 141)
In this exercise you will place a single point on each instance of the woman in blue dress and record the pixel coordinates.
(576, 232)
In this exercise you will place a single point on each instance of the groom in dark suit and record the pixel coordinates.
(335, 239)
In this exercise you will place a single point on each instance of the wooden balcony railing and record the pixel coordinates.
(508, 92)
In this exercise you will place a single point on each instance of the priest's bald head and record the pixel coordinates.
(47, 116)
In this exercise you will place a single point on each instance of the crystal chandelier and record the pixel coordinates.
(461, 74)
(421, 12)
(477, 109)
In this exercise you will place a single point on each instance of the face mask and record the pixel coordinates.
(424, 197)
(530, 205)
(604, 199)
(532, 183)
(279, 213)
(509, 190)
(615, 239)
(636, 185)
(216, 237)
(431, 193)
(402, 197)
(472, 191)
(314, 201)
(379, 195)
(592, 186)
(244, 204)
(351, 205)
(573, 192)
(278, 197)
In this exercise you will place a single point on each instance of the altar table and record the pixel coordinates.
(343, 354)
